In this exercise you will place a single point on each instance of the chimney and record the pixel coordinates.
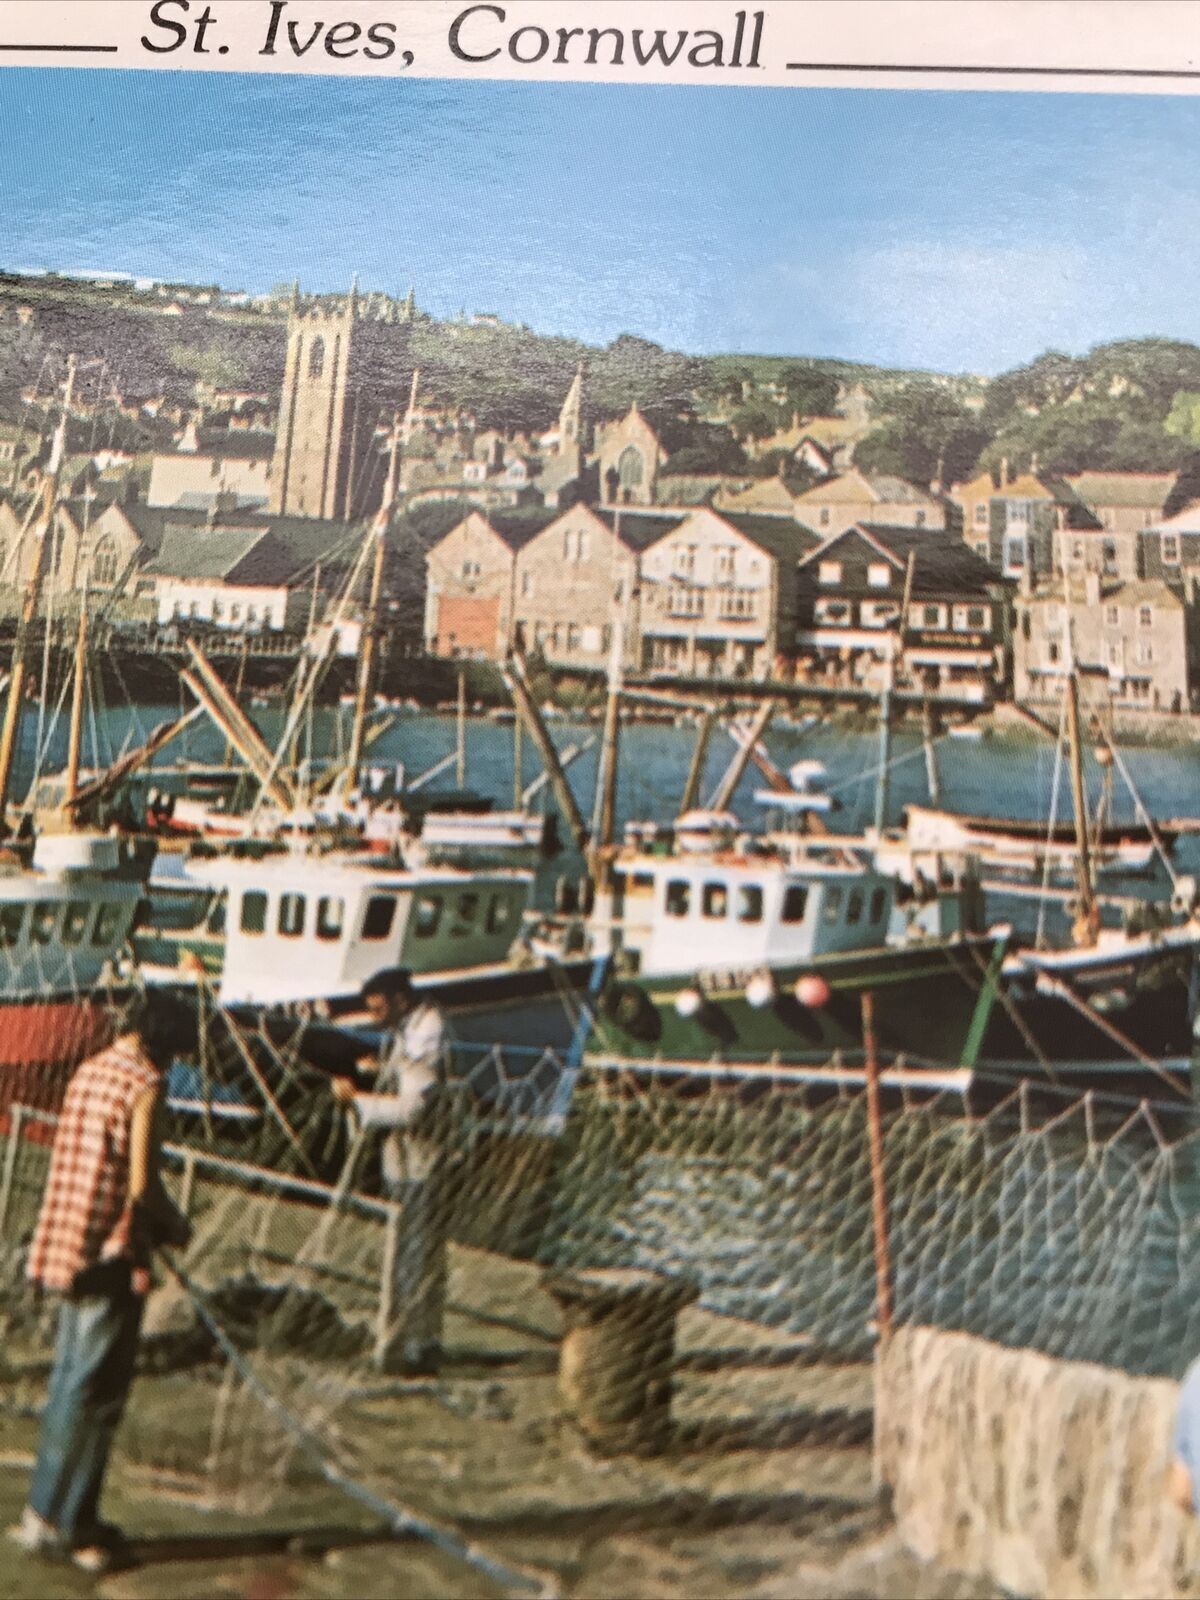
(1004, 472)
(1033, 463)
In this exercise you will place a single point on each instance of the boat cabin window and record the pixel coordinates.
(42, 924)
(749, 903)
(11, 918)
(254, 911)
(679, 897)
(465, 913)
(715, 900)
(499, 913)
(428, 915)
(854, 907)
(833, 903)
(379, 916)
(642, 883)
(291, 915)
(795, 902)
(215, 922)
(878, 903)
(104, 929)
(75, 921)
(331, 917)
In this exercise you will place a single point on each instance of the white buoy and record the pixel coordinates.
(688, 1003)
(760, 990)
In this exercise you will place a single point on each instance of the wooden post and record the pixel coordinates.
(518, 764)
(879, 1220)
(691, 789)
(727, 788)
(386, 1314)
(532, 717)
(931, 766)
(16, 1116)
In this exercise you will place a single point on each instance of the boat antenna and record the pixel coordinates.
(33, 588)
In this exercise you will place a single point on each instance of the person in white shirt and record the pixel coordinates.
(401, 1105)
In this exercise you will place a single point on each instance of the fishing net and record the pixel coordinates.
(660, 1310)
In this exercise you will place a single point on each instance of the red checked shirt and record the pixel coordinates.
(86, 1216)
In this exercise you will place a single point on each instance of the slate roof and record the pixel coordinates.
(784, 539)
(942, 562)
(307, 539)
(250, 444)
(641, 528)
(1145, 491)
(518, 526)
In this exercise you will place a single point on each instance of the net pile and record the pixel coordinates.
(265, 1386)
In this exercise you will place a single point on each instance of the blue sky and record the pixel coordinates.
(963, 231)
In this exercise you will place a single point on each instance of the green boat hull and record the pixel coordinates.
(932, 1002)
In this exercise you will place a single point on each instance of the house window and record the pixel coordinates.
(1145, 616)
(1052, 652)
(574, 636)
(919, 520)
(1145, 652)
(829, 572)
(1014, 553)
(379, 916)
(471, 569)
(104, 561)
(795, 902)
(526, 585)
(1169, 548)
(1110, 554)
(679, 897)
(931, 616)
(834, 611)
(291, 915)
(331, 914)
(823, 517)
(749, 903)
(879, 575)
(723, 563)
(977, 617)
(1112, 616)
(1077, 550)
(685, 558)
(1114, 653)
(981, 514)
(254, 912)
(715, 900)
(1017, 514)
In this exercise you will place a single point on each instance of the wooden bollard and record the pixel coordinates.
(617, 1359)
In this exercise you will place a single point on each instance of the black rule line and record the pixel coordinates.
(993, 71)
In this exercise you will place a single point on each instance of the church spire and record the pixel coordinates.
(570, 418)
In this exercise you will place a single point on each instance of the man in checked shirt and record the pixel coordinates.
(103, 1211)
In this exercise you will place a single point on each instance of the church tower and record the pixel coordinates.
(321, 441)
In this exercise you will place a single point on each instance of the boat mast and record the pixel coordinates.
(1083, 857)
(75, 735)
(366, 653)
(604, 815)
(460, 731)
(33, 589)
(518, 686)
(691, 789)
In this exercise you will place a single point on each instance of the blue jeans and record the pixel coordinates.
(93, 1369)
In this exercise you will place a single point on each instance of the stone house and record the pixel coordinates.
(470, 581)
(856, 496)
(209, 464)
(578, 577)
(1013, 522)
(768, 496)
(237, 579)
(719, 595)
(925, 601)
(1139, 636)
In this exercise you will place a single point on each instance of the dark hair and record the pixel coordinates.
(165, 1022)
(392, 983)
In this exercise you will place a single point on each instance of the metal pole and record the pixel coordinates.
(879, 1220)
(387, 1286)
(460, 732)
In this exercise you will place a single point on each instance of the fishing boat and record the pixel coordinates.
(1032, 847)
(291, 934)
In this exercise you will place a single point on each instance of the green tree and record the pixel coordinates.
(928, 434)
(809, 391)
(758, 419)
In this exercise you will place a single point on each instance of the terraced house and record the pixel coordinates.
(719, 595)
(925, 601)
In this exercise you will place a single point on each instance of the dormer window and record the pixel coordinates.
(1169, 549)
(829, 572)
(879, 575)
